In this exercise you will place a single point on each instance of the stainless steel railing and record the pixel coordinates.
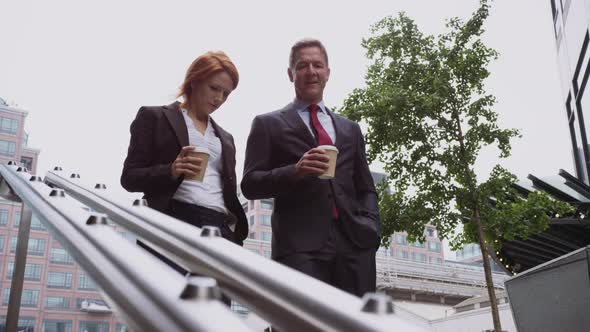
(149, 295)
(288, 299)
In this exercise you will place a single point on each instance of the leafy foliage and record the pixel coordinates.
(428, 118)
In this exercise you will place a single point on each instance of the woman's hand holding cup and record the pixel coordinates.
(191, 162)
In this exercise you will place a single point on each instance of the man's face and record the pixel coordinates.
(309, 74)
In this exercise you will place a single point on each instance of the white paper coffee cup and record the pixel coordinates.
(332, 153)
(202, 153)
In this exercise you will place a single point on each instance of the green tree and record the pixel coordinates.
(428, 117)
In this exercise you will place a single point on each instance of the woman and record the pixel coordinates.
(162, 137)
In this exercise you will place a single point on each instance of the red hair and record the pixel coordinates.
(203, 67)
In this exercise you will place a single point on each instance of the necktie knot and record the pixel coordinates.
(313, 108)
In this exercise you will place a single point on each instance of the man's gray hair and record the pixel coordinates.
(303, 43)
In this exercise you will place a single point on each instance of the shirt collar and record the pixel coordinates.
(185, 114)
(301, 105)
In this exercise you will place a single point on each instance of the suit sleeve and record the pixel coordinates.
(366, 195)
(261, 179)
(140, 173)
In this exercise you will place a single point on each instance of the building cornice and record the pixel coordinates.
(13, 110)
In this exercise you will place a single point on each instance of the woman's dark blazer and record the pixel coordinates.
(157, 135)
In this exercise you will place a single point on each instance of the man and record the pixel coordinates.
(328, 229)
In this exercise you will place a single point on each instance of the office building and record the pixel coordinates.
(58, 296)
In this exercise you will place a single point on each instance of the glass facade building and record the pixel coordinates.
(571, 21)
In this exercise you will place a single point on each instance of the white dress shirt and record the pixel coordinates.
(208, 193)
(323, 117)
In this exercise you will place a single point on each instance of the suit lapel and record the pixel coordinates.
(174, 116)
(289, 113)
(338, 130)
(227, 149)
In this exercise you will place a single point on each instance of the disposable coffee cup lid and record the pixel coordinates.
(200, 149)
(328, 147)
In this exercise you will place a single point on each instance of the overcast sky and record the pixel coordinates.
(82, 69)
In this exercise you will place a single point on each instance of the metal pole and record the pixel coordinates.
(149, 295)
(20, 261)
(286, 298)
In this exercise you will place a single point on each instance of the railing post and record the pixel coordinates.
(20, 261)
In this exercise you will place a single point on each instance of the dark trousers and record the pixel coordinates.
(197, 216)
(339, 263)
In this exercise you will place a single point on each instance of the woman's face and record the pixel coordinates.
(210, 93)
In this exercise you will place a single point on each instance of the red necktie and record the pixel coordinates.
(323, 138)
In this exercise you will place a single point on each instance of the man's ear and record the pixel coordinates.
(290, 73)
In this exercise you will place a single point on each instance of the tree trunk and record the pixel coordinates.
(482, 245)
(488, 273)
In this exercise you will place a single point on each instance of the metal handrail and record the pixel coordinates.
(130, 279)
(290, 300)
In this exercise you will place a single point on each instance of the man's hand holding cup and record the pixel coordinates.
(320, 161)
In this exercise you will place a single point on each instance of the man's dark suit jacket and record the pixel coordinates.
(157, 135)
(303, 208)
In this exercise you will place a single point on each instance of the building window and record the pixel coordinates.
(8, 126)
(57, 302)
(16, 219)
(430, 231)
(418, 257)
(86, 283)
(252, 236)
(434, 246)
(3, 217)
(27, 162)
(32, 271)
(89, 326)
(61, 256)
(7, 148)
(25, 324)
(402, 254)
(384, 252)
(267, 253)
(1, 242)
(28, 298)
(35, 222)
(252, 220)
(36, 247)
(51, 325)
(266, 204)
(434, 260)
(123, 328)
(266, 220)
(401, 239)
(59, 280)
(266, 236)
(80, 302)
(418, 244)
(468, 251)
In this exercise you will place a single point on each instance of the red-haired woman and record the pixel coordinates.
(158, 159)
